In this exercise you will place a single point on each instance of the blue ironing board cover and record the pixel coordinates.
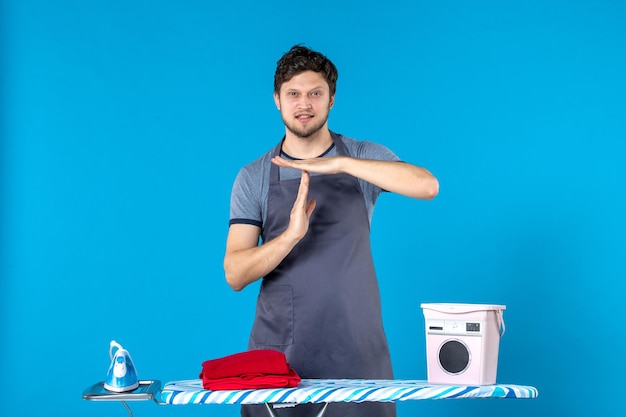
(336, 390)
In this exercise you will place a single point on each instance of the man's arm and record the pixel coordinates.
(394, 176)
(245, 261)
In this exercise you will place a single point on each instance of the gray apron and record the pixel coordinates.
(321, 305)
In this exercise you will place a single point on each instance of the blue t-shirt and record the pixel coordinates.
(248, 202)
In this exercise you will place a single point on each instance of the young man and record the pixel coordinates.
(310, 199)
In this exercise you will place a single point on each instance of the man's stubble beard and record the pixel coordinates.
(306, 133)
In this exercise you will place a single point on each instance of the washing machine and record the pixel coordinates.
(462, 342)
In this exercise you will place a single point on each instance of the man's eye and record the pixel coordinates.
(315, 93)
(292, 94)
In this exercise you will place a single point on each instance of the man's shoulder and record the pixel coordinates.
(360, 148)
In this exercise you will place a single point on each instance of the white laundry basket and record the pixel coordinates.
(462, 342)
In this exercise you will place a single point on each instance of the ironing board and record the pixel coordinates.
(321, 391)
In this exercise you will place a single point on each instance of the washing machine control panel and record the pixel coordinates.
(454, 327)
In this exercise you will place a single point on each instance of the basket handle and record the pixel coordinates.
(501, 326)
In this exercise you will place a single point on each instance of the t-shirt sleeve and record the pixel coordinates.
(371, 150)
(245, 200)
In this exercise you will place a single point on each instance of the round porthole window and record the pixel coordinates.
(454, 356)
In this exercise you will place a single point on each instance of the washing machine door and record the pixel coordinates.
(454, 356)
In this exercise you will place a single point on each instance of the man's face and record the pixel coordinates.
(304, 103)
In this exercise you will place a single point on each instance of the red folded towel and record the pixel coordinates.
(249, 370)
(251, 381)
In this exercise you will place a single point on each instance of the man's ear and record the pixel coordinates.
(332, 102)
(277, 100)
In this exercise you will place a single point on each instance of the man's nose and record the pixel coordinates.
(304, 102)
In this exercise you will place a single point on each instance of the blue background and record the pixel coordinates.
(124, 124)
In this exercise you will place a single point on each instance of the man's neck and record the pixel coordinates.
(305, 148)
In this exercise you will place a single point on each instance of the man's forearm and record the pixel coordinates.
(245, 266)
(397, 177)
(246, 262)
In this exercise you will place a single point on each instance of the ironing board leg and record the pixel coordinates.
(271, 412)
(322, 411)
